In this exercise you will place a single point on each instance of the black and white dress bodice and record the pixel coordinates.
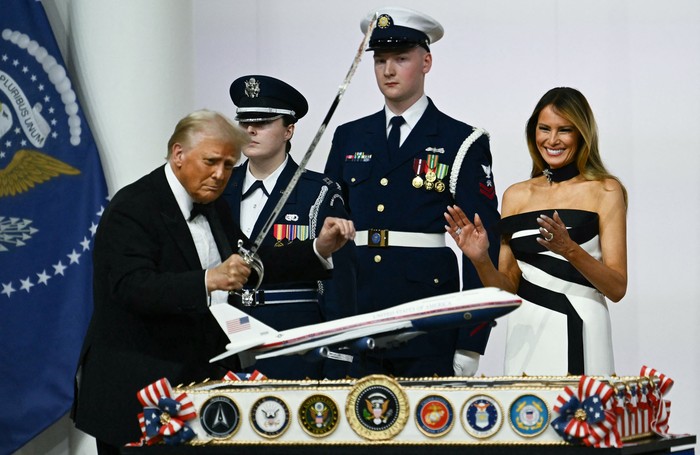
(563, 325)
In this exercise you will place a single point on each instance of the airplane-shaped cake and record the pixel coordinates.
(251, 339)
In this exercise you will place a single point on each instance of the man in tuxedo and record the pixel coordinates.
(162, 256)
(400, 168)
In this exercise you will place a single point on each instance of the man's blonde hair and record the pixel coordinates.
(211, 124)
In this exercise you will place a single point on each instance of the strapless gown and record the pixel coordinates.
(563, 324)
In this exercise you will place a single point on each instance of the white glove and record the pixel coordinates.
(465, 363)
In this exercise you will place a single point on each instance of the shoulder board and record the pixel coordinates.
(317, 177)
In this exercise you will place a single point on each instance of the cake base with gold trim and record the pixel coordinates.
(599, 412)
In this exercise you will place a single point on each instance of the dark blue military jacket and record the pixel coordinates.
(379, 193)
(314, 198)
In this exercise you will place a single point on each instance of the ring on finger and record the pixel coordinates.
(458, 231)
(548, 236)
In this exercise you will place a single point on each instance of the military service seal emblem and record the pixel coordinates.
(529, 415)
(434, 416)
(318, 415)
(482, 416)
(220, 417)
(270, 417)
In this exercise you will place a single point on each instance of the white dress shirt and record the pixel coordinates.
(253, 204)
(202, 236)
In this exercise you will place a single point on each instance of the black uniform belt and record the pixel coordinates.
(276, 296)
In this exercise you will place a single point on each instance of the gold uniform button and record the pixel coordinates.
(384, 181)
(378, 259)
(353, 180)
(436, 280)
(380, 208)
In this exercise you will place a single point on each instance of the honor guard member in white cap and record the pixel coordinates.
(400, 168)
(268, 109)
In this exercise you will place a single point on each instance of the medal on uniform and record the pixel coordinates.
(291, 232)
(441, 173)
(302, 232)
(432, 164)
(278, 231)
(417, 181)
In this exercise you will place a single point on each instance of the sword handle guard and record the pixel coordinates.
(253, 260)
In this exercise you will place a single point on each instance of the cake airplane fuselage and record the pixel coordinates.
(251, 339)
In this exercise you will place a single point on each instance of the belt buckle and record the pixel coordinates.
(247, 298)
(378, 238)
(252, 298)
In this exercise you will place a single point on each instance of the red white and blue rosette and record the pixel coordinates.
(164, 415)
(660, 408)
(586, 414)
(235, 377)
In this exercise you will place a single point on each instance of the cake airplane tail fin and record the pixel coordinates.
(243, 331)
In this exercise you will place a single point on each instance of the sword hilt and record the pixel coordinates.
(253, 260)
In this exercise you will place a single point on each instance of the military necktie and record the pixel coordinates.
(394, 136)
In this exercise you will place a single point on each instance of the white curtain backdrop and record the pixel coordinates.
(140, 66)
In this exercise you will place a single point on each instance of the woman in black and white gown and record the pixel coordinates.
(563, 249)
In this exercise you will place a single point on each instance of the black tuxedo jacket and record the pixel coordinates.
(151, 316)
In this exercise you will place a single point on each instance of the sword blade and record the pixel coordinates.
(304, 161)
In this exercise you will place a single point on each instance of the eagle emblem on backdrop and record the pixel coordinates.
(28, 166)
(47, 155)
(52, 194)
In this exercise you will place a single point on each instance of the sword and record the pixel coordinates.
(250, 255)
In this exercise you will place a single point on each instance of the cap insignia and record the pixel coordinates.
(252, 88)
(385, 21)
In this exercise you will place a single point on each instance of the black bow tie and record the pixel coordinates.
(200, 209)
(257, 184)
